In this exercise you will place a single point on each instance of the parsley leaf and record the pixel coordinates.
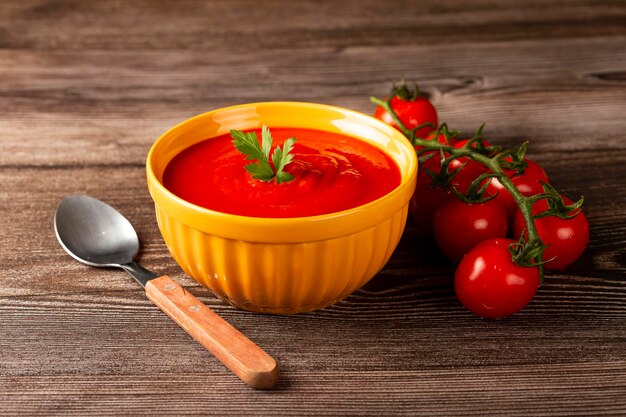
(266, 137)
(248, 144)
(282, 157)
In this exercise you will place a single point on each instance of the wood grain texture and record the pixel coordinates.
(86, 87)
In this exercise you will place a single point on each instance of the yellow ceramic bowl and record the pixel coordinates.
(282, 265)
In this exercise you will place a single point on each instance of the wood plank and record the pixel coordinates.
(235, 25)
(467, 392)
(95, 334)
(118, 103)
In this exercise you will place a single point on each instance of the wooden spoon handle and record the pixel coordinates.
(248, 361)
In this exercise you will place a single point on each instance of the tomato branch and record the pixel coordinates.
(528, 253)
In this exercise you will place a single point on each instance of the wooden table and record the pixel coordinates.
(86, 87)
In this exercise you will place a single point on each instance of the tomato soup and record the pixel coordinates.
(332, 172)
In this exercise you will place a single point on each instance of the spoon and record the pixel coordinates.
(96, 234)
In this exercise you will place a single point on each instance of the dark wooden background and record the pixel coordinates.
(87, 86)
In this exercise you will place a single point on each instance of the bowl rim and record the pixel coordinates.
(288, 229)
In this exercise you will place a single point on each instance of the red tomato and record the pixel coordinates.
(411, 113)
(567, 238)
(425, 200)
(459, 226)
(490, 285)
(528, 183)
(470, 171)
(460, 161)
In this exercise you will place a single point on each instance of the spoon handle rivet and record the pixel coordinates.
(242, 356)
(169, 287)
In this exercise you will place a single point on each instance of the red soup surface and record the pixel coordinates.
(332, 172)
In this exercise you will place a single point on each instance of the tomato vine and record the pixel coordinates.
(528, 251)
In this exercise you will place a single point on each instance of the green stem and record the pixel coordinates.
(493, 164)
(387, 106)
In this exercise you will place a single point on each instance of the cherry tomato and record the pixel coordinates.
(469, 172)
(567, 238)
(460, 161)
(459, 226)
(411, 113)
(529, 183)
(426, 200)
(490, 285)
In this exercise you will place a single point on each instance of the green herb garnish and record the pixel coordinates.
(248, 144)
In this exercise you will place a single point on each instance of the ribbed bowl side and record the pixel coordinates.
(284, 278)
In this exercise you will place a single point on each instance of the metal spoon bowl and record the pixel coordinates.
(96, 234)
